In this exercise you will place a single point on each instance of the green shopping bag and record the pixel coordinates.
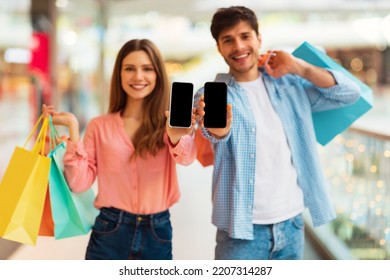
(328, 124)
(23, 190)
(73, 213)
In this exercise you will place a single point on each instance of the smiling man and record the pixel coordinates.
(266, 166)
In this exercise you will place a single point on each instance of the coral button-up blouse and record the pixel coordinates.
(141, 185)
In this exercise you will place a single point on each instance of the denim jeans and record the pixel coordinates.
(119, 235)
(281, 241)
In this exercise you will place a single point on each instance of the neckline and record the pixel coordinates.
(122, 131)
(251, 82)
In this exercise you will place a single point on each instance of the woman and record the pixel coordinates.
(133, 152)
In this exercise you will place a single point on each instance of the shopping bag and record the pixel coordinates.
(205, 152)
(73, 213)
(328, 124)
(23, 189)
(47, 224)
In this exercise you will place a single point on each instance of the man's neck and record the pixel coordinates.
(245, 77)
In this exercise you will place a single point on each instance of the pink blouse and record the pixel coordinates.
(140, 186)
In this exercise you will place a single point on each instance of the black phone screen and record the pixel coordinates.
(181, 103)
(215, 98)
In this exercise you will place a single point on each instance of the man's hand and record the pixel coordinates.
(216, 132)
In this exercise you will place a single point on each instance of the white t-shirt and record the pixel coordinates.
(277, 194)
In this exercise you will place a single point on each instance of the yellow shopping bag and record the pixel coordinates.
(23, 189)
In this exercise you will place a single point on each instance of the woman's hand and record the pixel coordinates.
(65, 119)
(175, 133)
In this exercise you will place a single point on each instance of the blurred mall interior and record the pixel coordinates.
(61, 52)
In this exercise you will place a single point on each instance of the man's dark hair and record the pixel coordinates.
(229, 17)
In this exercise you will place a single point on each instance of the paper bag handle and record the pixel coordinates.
(41, 135)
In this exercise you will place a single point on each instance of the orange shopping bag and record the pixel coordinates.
(47, 224)
(205, 154)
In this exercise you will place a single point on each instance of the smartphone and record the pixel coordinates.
(181, 104)
(215, 99)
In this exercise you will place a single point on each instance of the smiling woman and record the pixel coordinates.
(121, 148)
(138, 75)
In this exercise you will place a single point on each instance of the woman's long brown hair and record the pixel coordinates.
(149, 138)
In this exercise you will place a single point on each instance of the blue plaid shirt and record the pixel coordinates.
(293, 99)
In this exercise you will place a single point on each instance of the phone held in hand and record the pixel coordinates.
(215, 99)
(181, 104)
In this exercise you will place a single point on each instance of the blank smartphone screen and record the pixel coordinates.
(181, 103)
(215, 98)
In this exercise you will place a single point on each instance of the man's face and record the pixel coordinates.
(239, 46)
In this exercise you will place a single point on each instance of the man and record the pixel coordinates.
(266, 166)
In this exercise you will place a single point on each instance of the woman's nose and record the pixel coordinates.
(138, 75)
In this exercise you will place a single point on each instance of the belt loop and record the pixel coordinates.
(152, 220)
(120, 218)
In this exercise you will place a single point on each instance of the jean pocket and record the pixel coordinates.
(162, 231)
(298, 222)
(103, 226)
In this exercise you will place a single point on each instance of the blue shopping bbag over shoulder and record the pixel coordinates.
(327, 124)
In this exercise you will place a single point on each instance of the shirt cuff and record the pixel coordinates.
(213, 139)
(76, 148)
(181, 147)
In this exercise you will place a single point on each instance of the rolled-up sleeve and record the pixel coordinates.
(184, 152)
(345, 92)
(80, 163)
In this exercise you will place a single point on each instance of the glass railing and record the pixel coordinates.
(357, 166)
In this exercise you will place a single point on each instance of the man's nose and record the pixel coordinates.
(238, 44)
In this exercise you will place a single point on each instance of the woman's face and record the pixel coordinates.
(138, 75)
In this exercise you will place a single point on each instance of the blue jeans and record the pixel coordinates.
(281, 241)
(119, 235)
